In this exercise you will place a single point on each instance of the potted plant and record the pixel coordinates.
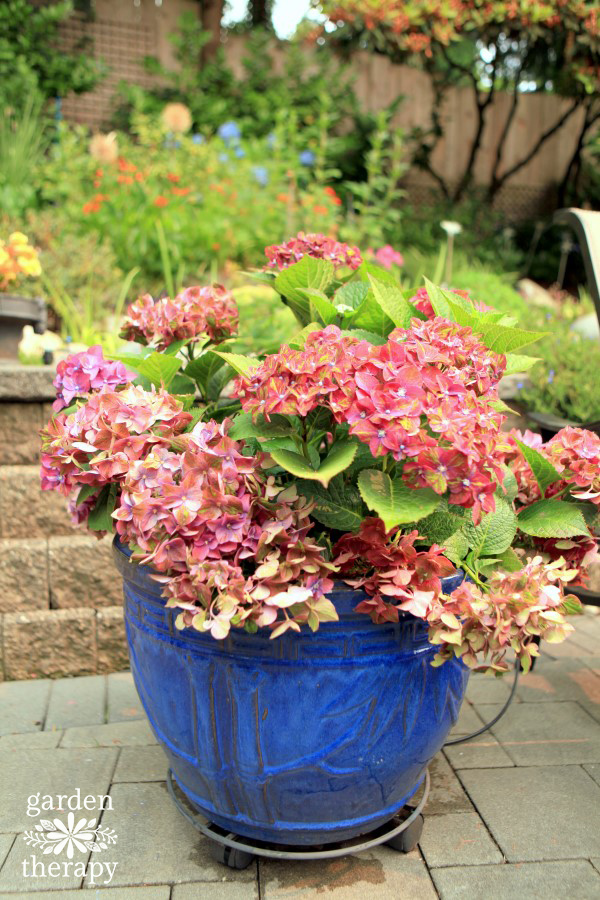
(18, 261)
(316, 554)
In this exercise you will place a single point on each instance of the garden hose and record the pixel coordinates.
(469, 737)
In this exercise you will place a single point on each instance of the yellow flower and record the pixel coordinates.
(29, 266)
(177, 117)
(17, 237)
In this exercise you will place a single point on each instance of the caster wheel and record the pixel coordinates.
(407, 840)
(230, 856)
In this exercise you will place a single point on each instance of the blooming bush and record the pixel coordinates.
(17, 259)
(370, 447)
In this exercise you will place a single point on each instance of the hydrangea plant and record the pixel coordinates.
(369, 449)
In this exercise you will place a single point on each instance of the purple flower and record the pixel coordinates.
(81, 373)
(307, 158)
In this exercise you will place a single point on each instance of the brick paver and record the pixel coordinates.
(514, 813)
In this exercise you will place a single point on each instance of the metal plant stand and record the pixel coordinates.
(401, 833)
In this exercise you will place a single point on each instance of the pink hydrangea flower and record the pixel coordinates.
(387, 257)
(575, 453)
(196, 311)
(318, 246)
(81, 373)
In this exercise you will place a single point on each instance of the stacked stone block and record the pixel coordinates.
(60, 595)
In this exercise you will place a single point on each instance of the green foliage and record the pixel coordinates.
(393, 501)
(338, 506)
(24, 139)
(552, 518)
(565, 382)
(292, 283)
(158, 368)
(31, 61)
(543, 470)
(337, 460)
(495, 533)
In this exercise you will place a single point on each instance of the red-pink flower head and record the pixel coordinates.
(575, 453)
(318, 246)
(196, 311)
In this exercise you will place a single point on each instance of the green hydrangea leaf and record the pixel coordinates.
(552, 518)
(438, 300)
(156, 367)
(393, 501)
(293, 281)
(243, 427)
(339, 458)
(243, 365)
(495, 533)
(338, 506)
(456, 547)
(391, 299)
(100, 518)
(351, 294)
(440, 525)
(517, 363)
(320, 306)
(544, 471)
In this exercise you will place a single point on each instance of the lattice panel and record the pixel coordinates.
(516, 201)
(123, 47)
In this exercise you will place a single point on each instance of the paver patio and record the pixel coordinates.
(513, 814)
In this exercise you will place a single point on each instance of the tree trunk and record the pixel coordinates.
(574, 166)
(260, 12)
(212, 13)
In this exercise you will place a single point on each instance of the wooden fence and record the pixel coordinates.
(123, 33)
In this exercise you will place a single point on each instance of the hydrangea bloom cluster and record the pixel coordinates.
(519, 606)
(97, 444)
(421, 301)
(575, 453)
(233, 546)
(387, 257)
(17, 257)
(193, 312)
(81, 373)
(318, 246)
(394, 574)
(424, 397)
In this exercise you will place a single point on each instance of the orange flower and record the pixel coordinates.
(139, 176)
(320, 210)
(161, 201)
(283, 198)
(91, 206)
(334, 197)
(180, 192)
(99, 173)
(125, 179)
(173, 178)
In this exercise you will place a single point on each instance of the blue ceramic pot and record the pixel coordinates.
(306, 739)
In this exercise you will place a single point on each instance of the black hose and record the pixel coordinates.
(469, 737)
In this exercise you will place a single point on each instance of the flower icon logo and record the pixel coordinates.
(54, 836)
(70, 835)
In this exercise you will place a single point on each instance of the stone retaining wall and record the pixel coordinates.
(60, 595)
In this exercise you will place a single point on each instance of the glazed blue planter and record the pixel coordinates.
(304, 740)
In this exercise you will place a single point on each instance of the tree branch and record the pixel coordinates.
(546, 135)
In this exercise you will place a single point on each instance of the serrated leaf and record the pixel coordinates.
(371, 317)
(384, 275)
(176, 346)
(243, 427)
(320, 305)
(391, 299)
(438, 300)
(157, 368)
(351, 294)
(243, 365)
(552, 518)
(515, 362)
(202, 368)
(338, 506)
(338, 459)
(509, 487)
(362, 335)
(393, 501)
(299, 340)
(307, 273)
(495, 533)
(543, 470)
(456, 547)
(509, 561)
(440, 525)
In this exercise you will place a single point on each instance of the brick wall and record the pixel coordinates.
(60, 595)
